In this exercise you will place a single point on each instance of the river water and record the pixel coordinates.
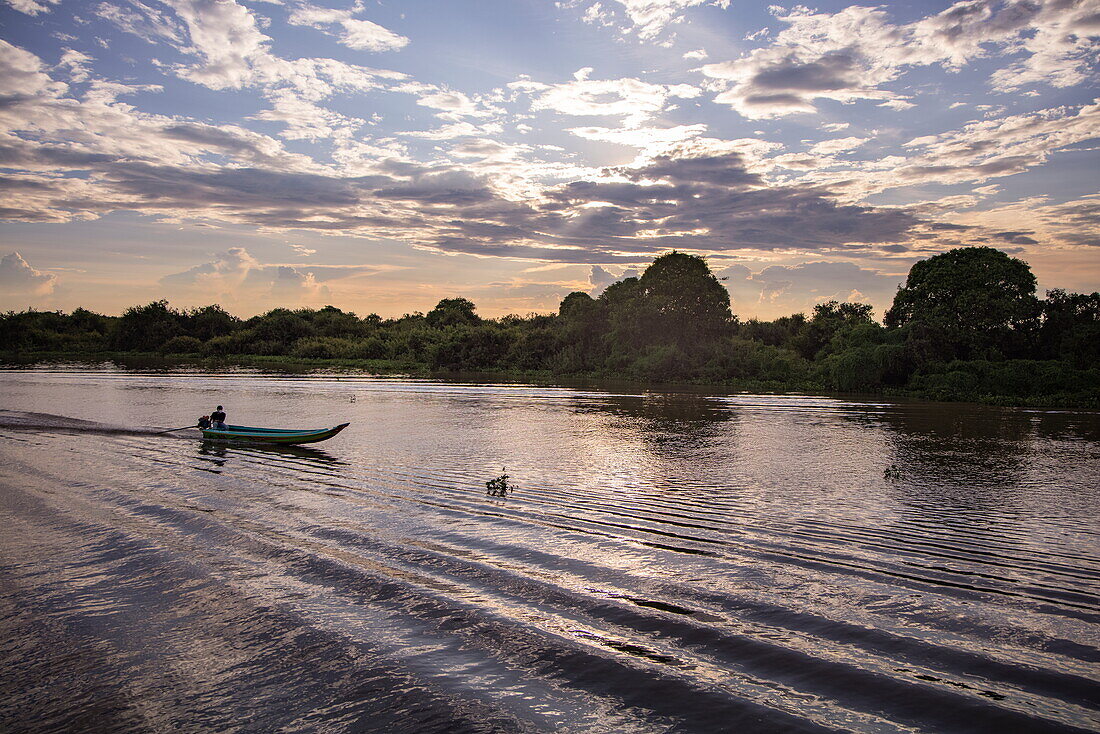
(667, 562)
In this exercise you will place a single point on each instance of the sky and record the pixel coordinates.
(381, 156)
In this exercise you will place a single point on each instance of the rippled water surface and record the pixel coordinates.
(688, 562)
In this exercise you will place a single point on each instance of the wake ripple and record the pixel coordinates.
(150, 585)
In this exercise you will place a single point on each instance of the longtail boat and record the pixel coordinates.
(249, 434)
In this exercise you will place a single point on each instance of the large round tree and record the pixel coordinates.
(682, 300)
(978, 300)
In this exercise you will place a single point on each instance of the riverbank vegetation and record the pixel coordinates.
(966, 325)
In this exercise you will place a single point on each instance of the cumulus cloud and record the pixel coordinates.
(650, 140)
(701, 196)
(783, 289)
(1016, 238)
(47, 129)
(600, 278)
(225, 49)
(362, 35)
(997, 147)
(650, 17)
(1072, 223)
(854, 53)
(17, 277)
(230, 267)
(837, 145)
(446, 132)
(31, 7)
(629, 98)
(86, 155)
(688, 191)
(979, 151)
(149, 24)
(23, 74)
(453, 102)
(231, 52)
(236, 275)
(225, 37)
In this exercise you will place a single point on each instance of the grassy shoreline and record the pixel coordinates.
(1088, 400)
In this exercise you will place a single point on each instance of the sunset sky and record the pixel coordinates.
(380, 156)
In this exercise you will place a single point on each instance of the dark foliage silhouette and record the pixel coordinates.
(966, 325)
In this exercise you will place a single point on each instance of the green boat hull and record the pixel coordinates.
(282, 436)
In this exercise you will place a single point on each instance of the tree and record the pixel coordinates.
(1071, 327)
(626, 324)
(682, 299)
(577, 306)
(146, 328)
(331, 321)
(274, 332)
(829, 320)
(453, 312)
(210, 321)
(975, 302)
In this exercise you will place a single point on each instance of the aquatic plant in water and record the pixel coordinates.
(499, 486)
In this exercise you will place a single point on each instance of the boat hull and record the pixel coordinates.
(281, 436)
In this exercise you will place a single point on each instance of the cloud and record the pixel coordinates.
(307, 120)
(17, 277)
(230, 140)
(651, 140)
(31, 7)
(362, 35)
(979, 151)
(596, 14)
(447, 132)
(233, 53)
(650, 17)
(148, 24)
(84, 157)
(77, 64)
(837, 145)
(301, 249)
(225, 37)
(701, 197)
(998, 147)
(453, 102)
(48, 129)
(230, 268)
(1067, 224)
(600, 279)
(1016, 238)
(783, 289)
(850, 55)
(235, 275)
(630, 98)
(22, 74)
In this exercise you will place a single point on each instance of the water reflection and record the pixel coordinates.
(219, 453)
(685, 561)
(661, 410)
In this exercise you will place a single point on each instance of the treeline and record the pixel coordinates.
(965, 326)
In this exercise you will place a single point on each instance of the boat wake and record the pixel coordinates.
(665, 563)
(48, 422)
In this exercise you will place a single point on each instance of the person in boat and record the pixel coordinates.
(204, 422)
(217, 419)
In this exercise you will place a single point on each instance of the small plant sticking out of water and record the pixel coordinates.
(499, 487)
(891, 473)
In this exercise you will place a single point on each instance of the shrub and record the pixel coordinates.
(182, 345)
